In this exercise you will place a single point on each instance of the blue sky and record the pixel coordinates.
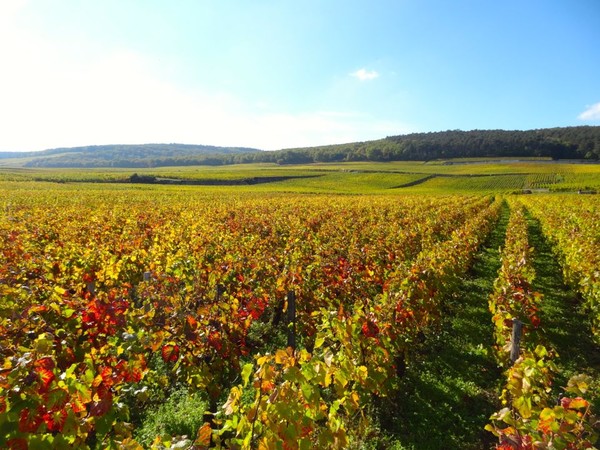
(278, 74)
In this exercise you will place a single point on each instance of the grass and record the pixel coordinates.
(451, 386)
(181, 415)
(565, 324)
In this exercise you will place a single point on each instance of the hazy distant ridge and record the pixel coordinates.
(142, 155)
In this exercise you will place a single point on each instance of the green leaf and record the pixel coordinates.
(246, 372)
(59, 290)
(104, 423)
(319, 341)
(43, 344)
(308, 390)
(308, 371)
(305, 444)
(547, 414)
(523, 405)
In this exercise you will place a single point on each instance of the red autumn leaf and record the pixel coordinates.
(55, 420)
(306, 430)
(204, 436)
(104, 377)
(189, 328)
(17, 444)
(88, 277)
(170, 353)
(565, 402)
(135, 375)
(129, 371)
(545, 425)
(256, 307)
(43, 368)
(106, 373)
(77, 404)
(214, 340)
(101, 406)
(30, 421)
(121, 371)
(45, 363)
(37, 309)
(267, 386)
(370, 329)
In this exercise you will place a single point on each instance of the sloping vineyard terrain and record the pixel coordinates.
(289, 317)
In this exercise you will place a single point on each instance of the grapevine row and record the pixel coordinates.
(531, 419)
(302, 399)
(513, 298)
(573, 226)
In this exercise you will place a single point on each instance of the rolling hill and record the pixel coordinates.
(557, 143)
(144, 155)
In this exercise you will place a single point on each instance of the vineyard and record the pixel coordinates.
(282, 320)
(435, 177)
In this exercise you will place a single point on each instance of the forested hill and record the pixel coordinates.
(144, 155)
(558, 143)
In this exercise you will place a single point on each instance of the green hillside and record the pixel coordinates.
(145, 155)
(396, 177)
(554, 143)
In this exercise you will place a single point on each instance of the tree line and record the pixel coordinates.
(558, 143)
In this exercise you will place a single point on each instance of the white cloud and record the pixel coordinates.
(364, 74)
(592, 113)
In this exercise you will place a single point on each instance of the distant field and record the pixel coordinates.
(348, 178)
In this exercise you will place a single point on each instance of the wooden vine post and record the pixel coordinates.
(291, 319)
(515, 342)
